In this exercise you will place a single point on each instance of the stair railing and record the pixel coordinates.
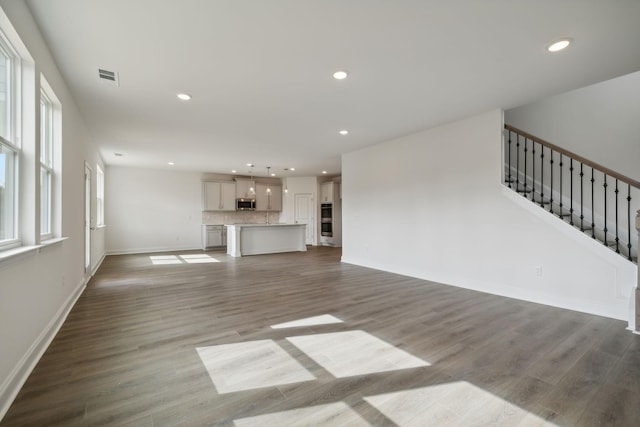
(600, 207)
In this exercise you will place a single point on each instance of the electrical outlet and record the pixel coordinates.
(539, 271)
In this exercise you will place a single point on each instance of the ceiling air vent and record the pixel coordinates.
(107, 76)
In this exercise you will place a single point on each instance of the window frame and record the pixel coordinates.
(11, 188)
(99, 197)
(11, 141)
(47, 172)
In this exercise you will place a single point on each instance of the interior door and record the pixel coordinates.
(87, 219)
(304, 214)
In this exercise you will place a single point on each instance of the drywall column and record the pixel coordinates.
(637, 325)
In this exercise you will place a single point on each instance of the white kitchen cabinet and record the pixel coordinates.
(262, 198)
(219, 196)
(268, 197)
(327, 191)
(275, 198)
(228, 196)
(245, 188)
(213, 236)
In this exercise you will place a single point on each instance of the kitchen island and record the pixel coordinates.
(255, 239)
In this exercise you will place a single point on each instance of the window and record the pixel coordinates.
(8, 159)
(46, 164)
(6, 90)
(9, 148)
(100, 196)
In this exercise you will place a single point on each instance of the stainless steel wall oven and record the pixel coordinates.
(326, 219)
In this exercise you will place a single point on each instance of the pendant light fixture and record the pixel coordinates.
(286, 180)
(251, 188)
(268, 185)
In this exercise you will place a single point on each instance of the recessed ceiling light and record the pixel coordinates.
(118, 154)
(292, 169)
(324, 171)
(170, 163)
(234, 171)
(559, 45)
(340, 75)
(250, 165)
(273, 174)
(184, 96)
(344, 132)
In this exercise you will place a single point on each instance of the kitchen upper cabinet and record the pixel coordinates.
(219, 196)
(228, 196)
(268, 197)
(275, 198)
(327, 192)
(245, 189)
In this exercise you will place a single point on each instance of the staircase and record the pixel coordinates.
(592, 198)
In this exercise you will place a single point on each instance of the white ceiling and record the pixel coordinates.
(260, 72)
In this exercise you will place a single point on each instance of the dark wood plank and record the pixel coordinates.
(127, 354)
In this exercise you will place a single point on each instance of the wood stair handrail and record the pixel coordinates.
(577, 157)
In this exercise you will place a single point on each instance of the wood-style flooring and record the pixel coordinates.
(200, 338)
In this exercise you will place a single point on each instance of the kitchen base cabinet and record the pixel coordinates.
(254, 239)
(213, 236)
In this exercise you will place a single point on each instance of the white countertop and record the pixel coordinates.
(263, 225)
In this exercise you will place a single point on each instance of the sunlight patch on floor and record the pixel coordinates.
(451, 404)
(164, 259)
(251, 365)
(325, 319)
(332, 414)
(198, 259)
(350, 353)
(181, 259)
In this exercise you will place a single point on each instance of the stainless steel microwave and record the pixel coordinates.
(245, 204)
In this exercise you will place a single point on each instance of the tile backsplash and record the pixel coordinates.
(214, 218)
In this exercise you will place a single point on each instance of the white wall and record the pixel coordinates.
(599, 122)
(152, 210)
(431, 205)
(38, 289)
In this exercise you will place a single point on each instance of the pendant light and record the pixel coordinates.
(286, 181)
(251, 189)
(268, 184)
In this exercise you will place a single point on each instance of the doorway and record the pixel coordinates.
(87, 220)
(304, 214)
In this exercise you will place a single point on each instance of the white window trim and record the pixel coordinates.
(15, 241)
(13, 141)
(46, 163)
(99, 197)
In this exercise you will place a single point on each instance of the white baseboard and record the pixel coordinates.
(152, 250)
(11, 386)
(98, 264)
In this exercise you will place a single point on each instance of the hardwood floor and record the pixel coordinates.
(187, 339)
